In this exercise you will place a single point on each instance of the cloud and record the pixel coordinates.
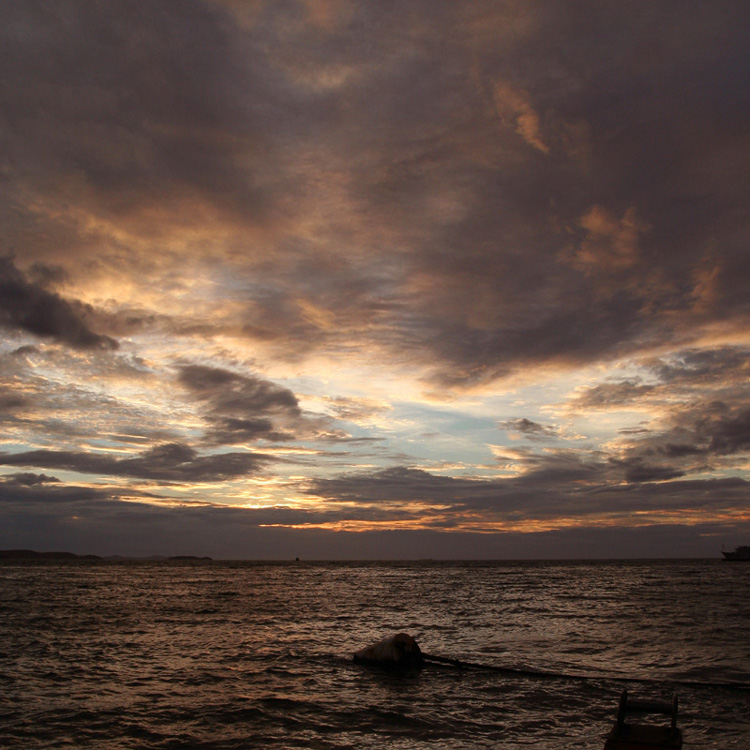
(556, 485)
(636, 470)
(611, 246)
(715, 366)
(245, 408)
(88, 520)
(11, 400)
(728, 434)
(226, 391)
(115, 134)
(130, 529)
(372, 197)
(514, 107)
(172, 462)
(611, 395)
(470, 198)
(30, 495)
(397, 485)
(28, 307)
(528, 428)
(27, 479)
(241, 408)
(360, 410)
(695, 439)
(682, 384)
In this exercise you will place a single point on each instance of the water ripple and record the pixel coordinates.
(231, 655)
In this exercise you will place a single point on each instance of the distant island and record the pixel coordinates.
(30, 554)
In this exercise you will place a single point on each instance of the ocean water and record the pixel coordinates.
(251, 655)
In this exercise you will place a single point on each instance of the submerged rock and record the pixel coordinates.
(399, 650)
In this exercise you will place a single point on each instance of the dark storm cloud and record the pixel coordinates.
(696, 438)
(398, 484)
(227, 391)
(637, 470)
(729, 434)
(171, 462)
(27, 479)
(124, 104)
(27, 490)
(560, 250)
(86, 520)
(176, 534)
(502, 186)
(240, 408)
(522, 495)
(699, 403)
(46, 276)
(48, 494)
(28, 307)
(701, 420)
(554, 486)
(570, 241)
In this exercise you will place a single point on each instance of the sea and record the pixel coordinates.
(229, 655)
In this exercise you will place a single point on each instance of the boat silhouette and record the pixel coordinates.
(740, 553)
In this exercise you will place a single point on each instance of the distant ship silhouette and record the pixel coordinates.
(740, 553)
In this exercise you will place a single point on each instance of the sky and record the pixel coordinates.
(339, 279)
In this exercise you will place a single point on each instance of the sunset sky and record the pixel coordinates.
(350, 279)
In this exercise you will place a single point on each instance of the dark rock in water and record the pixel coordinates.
(399, 650)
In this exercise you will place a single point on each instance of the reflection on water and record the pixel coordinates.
(233, 655)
